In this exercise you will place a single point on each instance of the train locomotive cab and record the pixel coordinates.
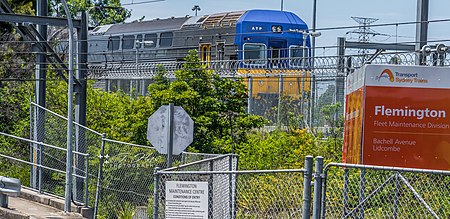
(271, 48)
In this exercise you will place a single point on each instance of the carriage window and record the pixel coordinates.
(113, 43)
(166, 39)
(138, 41)
(128, 42)
(150, 37)
(220, 50)
(255, 52)
(296, 55)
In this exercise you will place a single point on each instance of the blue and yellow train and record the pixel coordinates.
(262, 42)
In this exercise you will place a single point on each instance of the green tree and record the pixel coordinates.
(276, 150)
(325, 99)
(100, 12)
(333, 119)
(120, 116)
(18, 59)
(217, 105)
(332, 144)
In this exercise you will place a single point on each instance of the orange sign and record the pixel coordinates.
(405, 118)
(353, 127)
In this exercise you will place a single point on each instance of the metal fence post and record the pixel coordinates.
(324, 194)
(39, 161)
(100, 174)
(345, 193)
(306, 211)
(318, 187)
(211, 189)
(170, 133)
(236, 157)
(230, 184)
(183, 158)
(362, 190)
(32, 175)
(156, 193)
(86, 185)
(397, 185)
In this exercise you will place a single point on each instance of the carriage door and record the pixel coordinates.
(205, 53)
(277, 51)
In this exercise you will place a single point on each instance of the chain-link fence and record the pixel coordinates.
(14, 157)
(213, 188)
(126, 176)
(219, 188)
(359, 191)
(286, 94)
(125, 169)
(51, 128)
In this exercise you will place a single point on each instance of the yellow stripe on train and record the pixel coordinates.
(266, 81)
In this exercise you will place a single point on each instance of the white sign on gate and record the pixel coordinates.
(186, 199)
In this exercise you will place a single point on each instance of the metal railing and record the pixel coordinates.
(49, 179)
(45, 126)
(364, 191)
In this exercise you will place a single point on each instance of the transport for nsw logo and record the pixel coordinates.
(387, 74)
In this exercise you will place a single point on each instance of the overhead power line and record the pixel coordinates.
(142, 2)
(383, 25)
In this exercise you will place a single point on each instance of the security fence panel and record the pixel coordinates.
(270, 195)
(254, 194)
(50, 128)
(220, 188)
(12, 151)
(126, 181)
(14, 163)
(359, 191)
(287, 95)
(231, 193)
(126, 177)
(189, 157)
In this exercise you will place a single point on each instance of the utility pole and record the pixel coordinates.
(41, 67)
(69, 152)
(421, 27)
(80, 107)
(40, 97)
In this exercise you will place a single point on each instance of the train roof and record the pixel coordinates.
(153, 25)
(207, 21)
(271, 16)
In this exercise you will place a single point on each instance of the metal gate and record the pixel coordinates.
(361, 191)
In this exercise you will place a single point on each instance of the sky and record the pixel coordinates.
(330, 13)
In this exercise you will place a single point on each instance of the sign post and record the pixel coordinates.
(170, 130)
(170, 136)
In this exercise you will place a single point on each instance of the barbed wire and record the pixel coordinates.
(317, 29)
